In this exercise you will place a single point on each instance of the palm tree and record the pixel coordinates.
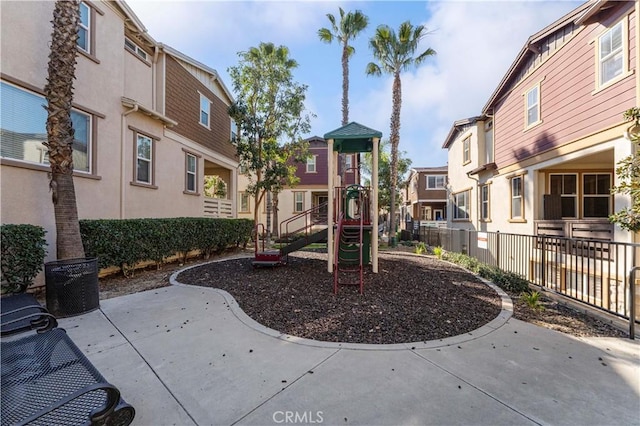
(350, 25)
(396, 53)
(59, 95)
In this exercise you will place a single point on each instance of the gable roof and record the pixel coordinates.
(457, 126)
(576, 16)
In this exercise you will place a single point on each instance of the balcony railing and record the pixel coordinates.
(218, 207)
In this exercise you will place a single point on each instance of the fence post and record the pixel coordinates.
(543, 271)
(498, 249)
(632, 302)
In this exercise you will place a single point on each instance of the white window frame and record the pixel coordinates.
(456, 205)
(485, 205)
(348, 163)
(528, 106)
(623, 50)
(425, 213)
(234, 130)
(244, 202)
(585, 196)
(205, 101)
(133, 48)
(86, 27)
(516, 197)
(436, 178)
(563, 195)
(43, 154)
(193, 173)
(296, 201)
(466, 150)
(435, 214)
(149, 160)
(311, 164)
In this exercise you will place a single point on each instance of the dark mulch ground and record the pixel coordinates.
(411, 299)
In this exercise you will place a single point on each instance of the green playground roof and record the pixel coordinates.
(353, 137)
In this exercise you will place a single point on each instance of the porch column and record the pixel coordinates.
(374, 207)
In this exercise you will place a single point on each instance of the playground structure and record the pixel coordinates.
(351, 220)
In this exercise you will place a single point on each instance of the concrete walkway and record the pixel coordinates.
(187, 355)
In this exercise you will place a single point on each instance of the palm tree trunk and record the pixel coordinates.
(59, 95)
(395, 141)
(345, 105)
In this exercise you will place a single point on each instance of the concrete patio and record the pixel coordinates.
(186, 355)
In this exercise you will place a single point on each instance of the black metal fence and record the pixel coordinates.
(598, 273)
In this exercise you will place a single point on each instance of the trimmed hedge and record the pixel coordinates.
(125, 242)
(23, 252)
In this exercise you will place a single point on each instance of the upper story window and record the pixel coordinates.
(597, 195)
(566, 186)
(461, 205)
(191, 167)
(311, 164)
(84, 28)
(234, 130)
(488, 141)
(144, 159)
(205, 108)
(135, 49)
(466, 150)
(348, 161)
(611, 54)
(244, 202)
(532, 106)
(23, 129)
(435, 182)
(517, 197)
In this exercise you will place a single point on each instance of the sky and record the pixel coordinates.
(475, 42)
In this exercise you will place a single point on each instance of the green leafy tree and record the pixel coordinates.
(384, 173)
(395, 53)
(59, 96)
(628, 171)
(351, 24)
(271, 117)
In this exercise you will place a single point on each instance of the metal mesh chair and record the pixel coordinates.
(47, 380)
(22, 312)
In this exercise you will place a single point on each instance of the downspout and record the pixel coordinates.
(154, 77)
(123, 121)
(478, 202)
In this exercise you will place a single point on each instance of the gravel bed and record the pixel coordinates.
(411, 299)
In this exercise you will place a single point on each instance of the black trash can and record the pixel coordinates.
(72, 286)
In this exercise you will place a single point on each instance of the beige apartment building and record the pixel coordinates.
(150, 123)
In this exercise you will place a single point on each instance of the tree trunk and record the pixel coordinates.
(345, 106)
(274, 204)
(395, 141)
(59, 95)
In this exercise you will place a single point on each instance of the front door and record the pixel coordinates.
(321, 215)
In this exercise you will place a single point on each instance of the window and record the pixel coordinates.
(205, 105)
(23, 129)
(611, 54)
(532, 106)
(597, 195)
(425, 213)
(484, 202)
(191, 181)
(565, 185)
(461, 205)
(488, 141)
(243, 169)
(466, 150)
(517, 197)
(234, 130)
(348, 161)
(144, 159)
(311, 164)
(135, 49)
(435, 182)
(84, 28)
(244, 202)
(298, 202)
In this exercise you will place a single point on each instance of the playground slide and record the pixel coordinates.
(303, 242)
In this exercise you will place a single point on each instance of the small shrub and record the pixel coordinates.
(23, 252)
(438, 252)
(421, 248)
(506, 280)
(532, 299)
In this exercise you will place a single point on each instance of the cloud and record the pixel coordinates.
(476, 42)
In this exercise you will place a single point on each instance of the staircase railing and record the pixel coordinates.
(311, 217)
